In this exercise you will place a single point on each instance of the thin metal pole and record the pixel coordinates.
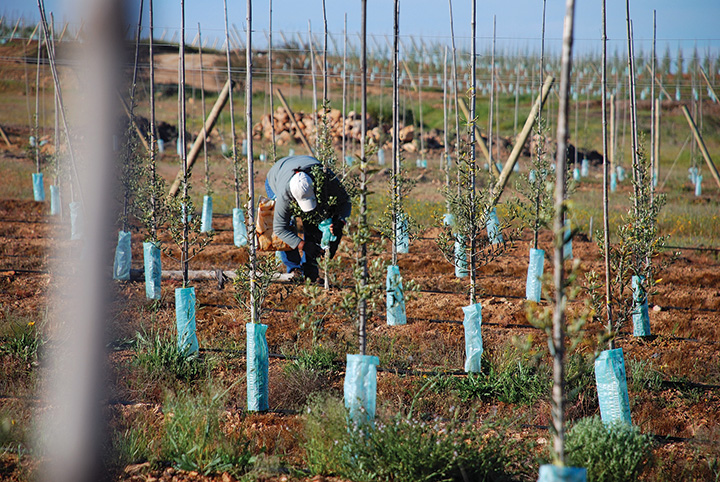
(606, 216)
(455, 88)
(325, 49)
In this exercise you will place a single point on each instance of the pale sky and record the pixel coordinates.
(686, 24)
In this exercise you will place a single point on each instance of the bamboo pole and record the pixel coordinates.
(613, 132)
(656, 145)
(270, 84)
(294, 121)
(473, 122)
(344, 92)
(5, 137)
(362, 302)
(200, 140)
(633, 112)
(491, 162)
(701, 144)
(185, 252)
(202, 106)
(653, 127)
(521, 139)
(324, 60)
(445, 164)
(558, 341)
(606, 215)
(153, 138)
(314, 85)
(395, 130)
(476, 135)
(236, 174)
(254, 315)
(455, 84)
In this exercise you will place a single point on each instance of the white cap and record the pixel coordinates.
(301, 188)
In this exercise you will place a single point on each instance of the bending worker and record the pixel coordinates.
(301, 188)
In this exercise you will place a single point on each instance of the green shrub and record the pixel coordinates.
(194, 440)
(134, 444)
(403, 449)
(616, 452)
(158, 354)
(23, 340)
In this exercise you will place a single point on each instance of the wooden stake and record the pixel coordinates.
(606, 216)
(236, 174)
(5, 138)
(657, 138)
(200, 140)
(521, 139)
(477, 136)
(294, 121)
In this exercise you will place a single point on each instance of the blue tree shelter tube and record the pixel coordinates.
(360, 387)
(153, 270)
(395, 297)
(123, 257)
(473, 337)
(611, 381)
(38, 186)
(239, 228)
(207, 213)
(185, 319)
(533, 285)
(258, 387)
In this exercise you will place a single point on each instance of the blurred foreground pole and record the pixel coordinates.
(70, 425)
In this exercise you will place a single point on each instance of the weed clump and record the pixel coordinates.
(615, 452)
(162, 360)
(400, 448)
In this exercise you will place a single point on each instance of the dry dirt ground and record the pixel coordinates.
(685, 313)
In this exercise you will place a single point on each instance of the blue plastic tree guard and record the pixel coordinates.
(239, 228)
(698, 185)
(76, 221)
(161, 146)
(381, 157)
(179, 147)
(611, 381)
(533, 286)
(185, 319)
(567, 238)
(327, 235)
(576, 174)
(258, 387)
(584, 168)
(395, 297)
(207, 213)
(123, 257)
(492, 224)
(613, 182)
(360, 387)
(620, 173)
(461, 265)
(473, 337)
(553, 473)
(54, 200)
(532, 176)
(38, 186)
(641, 315)
(402, 236)
(244, 147)
(692, 174)
(225, 150)
(153, 270)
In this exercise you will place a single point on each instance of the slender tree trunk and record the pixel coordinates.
(558, 342)
(633, 113)
(325, 48)
(314, 86)
(362, 308)
(539, 116)
(445, 164)
(254, 315)
(606, 221)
